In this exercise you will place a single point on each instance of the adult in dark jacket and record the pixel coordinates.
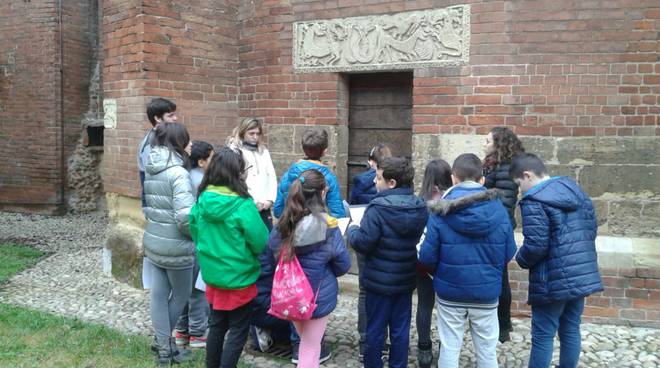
(364, 185)
(559, 226)
(387, 239)
(501, 145)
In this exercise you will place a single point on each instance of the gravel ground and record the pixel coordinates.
(70, 283)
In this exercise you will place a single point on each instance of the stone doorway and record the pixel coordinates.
(380, 111)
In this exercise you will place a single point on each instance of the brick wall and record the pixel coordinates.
(184, 51)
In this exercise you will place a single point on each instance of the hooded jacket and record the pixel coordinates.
(261, 178)
(559, 225)
(364, 188)
(332, 198)
(169, 196)
(468, 241)
(229, 235)
(387, 236)
(322, 254)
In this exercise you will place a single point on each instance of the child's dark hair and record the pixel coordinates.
(436, 175)
(225, 169)
(305, 197)
(467, 167)
(399, 169)
(175, 137)
(526, 162)
(157, 107)
(506, 144)
(314, 142)
(200, 151)
(379, 152)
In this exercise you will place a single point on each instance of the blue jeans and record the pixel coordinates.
(383, 311)
(548, 319)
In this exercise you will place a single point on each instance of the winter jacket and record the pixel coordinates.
(387, 237)
(332, 198)
(169, 195)
(559, 226)
(261, 303)
(364, 188)
(499, 179)
(229, 235)
(196, 177)
(468, 241)
(322, 254)
(142, 156)
(261, 178)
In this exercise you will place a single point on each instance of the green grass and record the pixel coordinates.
(16, 258)
(31, 338)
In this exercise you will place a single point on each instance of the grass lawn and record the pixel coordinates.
(35, 339)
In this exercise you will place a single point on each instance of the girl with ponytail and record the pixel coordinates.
(306, 231)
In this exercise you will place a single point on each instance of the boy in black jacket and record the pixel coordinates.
(387, 238)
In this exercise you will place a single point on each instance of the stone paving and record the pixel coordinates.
(70, 283)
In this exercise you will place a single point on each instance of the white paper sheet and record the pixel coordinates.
(146, 273)
(343, 224)
(357, 212)
(199, 283)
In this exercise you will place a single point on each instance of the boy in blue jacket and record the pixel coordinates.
(468, 241)
(387, 239)
(314, 145)
(364, 184)
(559, 226)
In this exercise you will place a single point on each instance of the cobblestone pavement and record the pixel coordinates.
(70, 283)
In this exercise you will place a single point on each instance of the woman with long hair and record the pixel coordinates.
(500, 146)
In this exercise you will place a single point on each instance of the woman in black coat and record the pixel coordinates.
(501, 145)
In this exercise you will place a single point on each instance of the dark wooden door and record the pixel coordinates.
(380, 111)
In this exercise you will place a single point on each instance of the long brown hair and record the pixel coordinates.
(305, 197)
(506, 145)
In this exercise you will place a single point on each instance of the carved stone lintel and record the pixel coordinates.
(416, 39)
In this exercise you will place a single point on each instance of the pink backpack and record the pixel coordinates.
(292, 297)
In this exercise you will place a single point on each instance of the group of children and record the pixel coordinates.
(452, 242)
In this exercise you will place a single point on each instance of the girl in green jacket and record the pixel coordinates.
(229, 233)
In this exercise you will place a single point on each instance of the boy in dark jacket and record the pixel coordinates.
(387, 238)
(364, 184)
(559, 226)
(468, 241)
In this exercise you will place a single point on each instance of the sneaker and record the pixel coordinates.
(181, 338)
(197, 342)
(424, 358)
(326, 353)
(504, 336)
(262, 338)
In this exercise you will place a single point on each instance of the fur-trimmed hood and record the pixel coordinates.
(469, 209)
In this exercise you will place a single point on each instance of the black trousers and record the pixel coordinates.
(228, 332)
(504, 307)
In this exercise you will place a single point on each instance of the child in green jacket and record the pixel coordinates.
(229, 233)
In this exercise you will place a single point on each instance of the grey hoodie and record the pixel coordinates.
(170, 195)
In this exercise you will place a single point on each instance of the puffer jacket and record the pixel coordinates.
(387, 237)
(323, 256)
(332, 198)
(499, 179)
(169, 195)
(364, 188)
(559, 226)
(468, 241)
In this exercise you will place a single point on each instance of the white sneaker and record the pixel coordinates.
(263, 338)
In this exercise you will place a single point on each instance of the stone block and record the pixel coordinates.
(451, 146)
(602, 211)
(563, 170)
(543, 147)
(609, 150)
(124, 244)
(600, 179)
(634, 218)
(280, 138)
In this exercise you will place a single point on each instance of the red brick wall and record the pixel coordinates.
(183, 51)
(29, 105)
(36, 121)
(631, 296)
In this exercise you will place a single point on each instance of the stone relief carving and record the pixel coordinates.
(110, 113)
(436, 37)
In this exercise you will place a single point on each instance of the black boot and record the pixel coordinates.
(424, 355)
(169, 353)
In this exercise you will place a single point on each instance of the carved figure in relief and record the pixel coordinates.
(363, 44)
(320, 41)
